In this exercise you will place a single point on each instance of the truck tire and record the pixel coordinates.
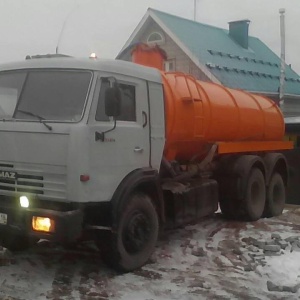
(255, 197)
(136, 234)
(275, 196)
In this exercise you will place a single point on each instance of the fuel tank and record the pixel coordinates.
(199, 114)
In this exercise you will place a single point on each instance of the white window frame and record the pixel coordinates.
(158, 41)
(170, 65)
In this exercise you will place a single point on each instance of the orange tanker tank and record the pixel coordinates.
(199, 114)
(202, 113)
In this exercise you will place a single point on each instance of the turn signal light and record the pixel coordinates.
(43, 224)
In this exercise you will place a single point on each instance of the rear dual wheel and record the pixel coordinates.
(251, 207)
(276, 196)
(258, 201)
(255, 198)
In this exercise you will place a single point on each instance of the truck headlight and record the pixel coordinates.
(24, 201)
(43, 224)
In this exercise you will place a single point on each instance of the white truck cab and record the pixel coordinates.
(65, 165)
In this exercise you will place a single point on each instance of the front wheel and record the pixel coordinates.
(136, 234)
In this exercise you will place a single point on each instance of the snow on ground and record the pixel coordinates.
(284, 270)
(208, 260)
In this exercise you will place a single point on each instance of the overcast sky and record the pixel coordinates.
(79, 27)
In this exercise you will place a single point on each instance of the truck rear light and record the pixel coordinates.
(43, 224)
(84, 178)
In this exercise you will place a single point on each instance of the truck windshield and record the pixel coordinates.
(44, 94)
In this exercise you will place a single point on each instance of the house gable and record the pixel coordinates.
(185, 61)
(175, 54)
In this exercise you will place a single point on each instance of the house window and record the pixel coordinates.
(169, 65)
(156, 38)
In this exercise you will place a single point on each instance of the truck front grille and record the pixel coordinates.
(34, 181)
(23, 183)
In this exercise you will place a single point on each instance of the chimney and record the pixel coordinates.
(238, 30)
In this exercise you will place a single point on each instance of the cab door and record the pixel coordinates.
(114, 153)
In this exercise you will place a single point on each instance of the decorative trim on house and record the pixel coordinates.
(155, 38)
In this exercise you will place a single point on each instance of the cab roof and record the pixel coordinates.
(104, 65)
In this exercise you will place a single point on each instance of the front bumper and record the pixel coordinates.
(68, 224)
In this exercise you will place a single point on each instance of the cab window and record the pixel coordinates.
(128, 104)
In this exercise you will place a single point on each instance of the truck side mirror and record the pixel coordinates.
(113, 102)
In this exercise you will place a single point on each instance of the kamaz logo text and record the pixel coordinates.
(6, 174)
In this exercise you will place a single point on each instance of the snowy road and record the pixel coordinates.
(215, 259)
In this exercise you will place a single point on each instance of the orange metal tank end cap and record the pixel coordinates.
(150, 56)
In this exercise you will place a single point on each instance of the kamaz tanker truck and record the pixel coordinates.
(116, 149)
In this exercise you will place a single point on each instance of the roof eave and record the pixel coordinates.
(135, 32)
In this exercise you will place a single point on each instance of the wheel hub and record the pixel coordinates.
(136, 233)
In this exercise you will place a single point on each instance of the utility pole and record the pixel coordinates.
(282, 67)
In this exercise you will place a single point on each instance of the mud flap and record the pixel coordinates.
(293, 187)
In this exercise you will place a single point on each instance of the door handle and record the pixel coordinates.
(145, 119)
(138, 149)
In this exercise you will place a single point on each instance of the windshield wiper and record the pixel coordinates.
(42, 120)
